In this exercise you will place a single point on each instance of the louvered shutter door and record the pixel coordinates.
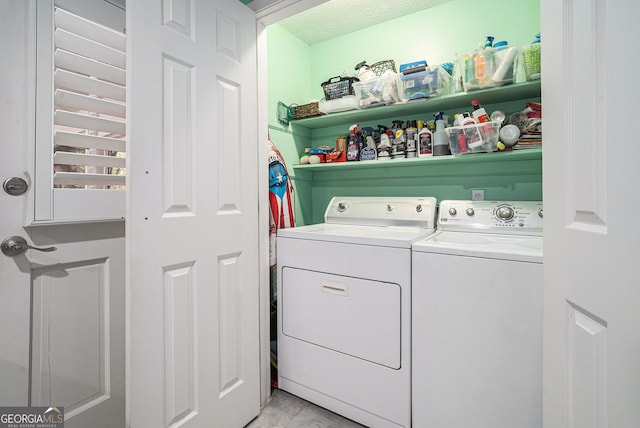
(89, 99)
(88, 132)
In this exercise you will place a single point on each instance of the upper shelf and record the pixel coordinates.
(442, 102)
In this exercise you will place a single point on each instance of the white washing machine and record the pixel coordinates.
(344, 307)
(477, 317)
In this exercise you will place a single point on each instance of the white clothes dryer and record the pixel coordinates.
(344, 307)
(477, 317)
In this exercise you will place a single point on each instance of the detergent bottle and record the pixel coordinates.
(440, 138)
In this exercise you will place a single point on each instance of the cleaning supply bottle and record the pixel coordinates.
(368, 152)
(411, 132)
(458, 84)
(364, 72)
(489, 42)
(469, 68)
(484, 60)
(371, 136)
(466, 119)
(440, 138)
(398, 146)
(479, 113)
(479, 63)
(425, 142)
(355, 143)
(384, 147)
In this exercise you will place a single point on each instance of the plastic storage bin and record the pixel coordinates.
(379, 91)
(531, 61)
(481, 137)
(489, 67)
(434, 80)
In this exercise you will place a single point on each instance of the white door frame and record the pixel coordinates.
(267, 12)
(263, 217)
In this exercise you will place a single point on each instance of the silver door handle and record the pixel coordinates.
(16, 245)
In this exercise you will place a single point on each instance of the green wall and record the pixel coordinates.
(296, 71)
(289, 68)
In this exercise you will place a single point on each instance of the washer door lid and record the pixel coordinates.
(504, 247)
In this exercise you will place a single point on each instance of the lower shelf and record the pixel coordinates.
(513, 175)
(427, 162)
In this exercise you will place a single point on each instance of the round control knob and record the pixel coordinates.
(505, 213)
(452, 211)
(540, 214)
(342, 207)
(419, 209)
(470, 212)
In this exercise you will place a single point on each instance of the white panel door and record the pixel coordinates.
(61, 312)
(14, 272)
(192, 213)
(591, 248)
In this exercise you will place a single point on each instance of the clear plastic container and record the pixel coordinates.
(489, 67)
(478, 138)
(374, 92)
(531, 60)
(424, 84)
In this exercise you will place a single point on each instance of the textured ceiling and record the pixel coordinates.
(338, 17)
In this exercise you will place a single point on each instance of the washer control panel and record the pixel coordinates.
(517, 217)
(383, 211)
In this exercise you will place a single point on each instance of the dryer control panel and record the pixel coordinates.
(405, 211)
(510, 217)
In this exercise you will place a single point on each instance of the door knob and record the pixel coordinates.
(16, 245)
(15, 186)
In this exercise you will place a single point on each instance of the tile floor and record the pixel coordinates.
(288, 411)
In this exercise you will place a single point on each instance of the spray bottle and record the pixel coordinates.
(440, 138)
(355, 143)
(369, 151)
(484, 60)
(371, 136)
(384, 147)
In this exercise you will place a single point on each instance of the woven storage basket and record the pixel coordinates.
(382, 66)
(306, 110)
(338, 87)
